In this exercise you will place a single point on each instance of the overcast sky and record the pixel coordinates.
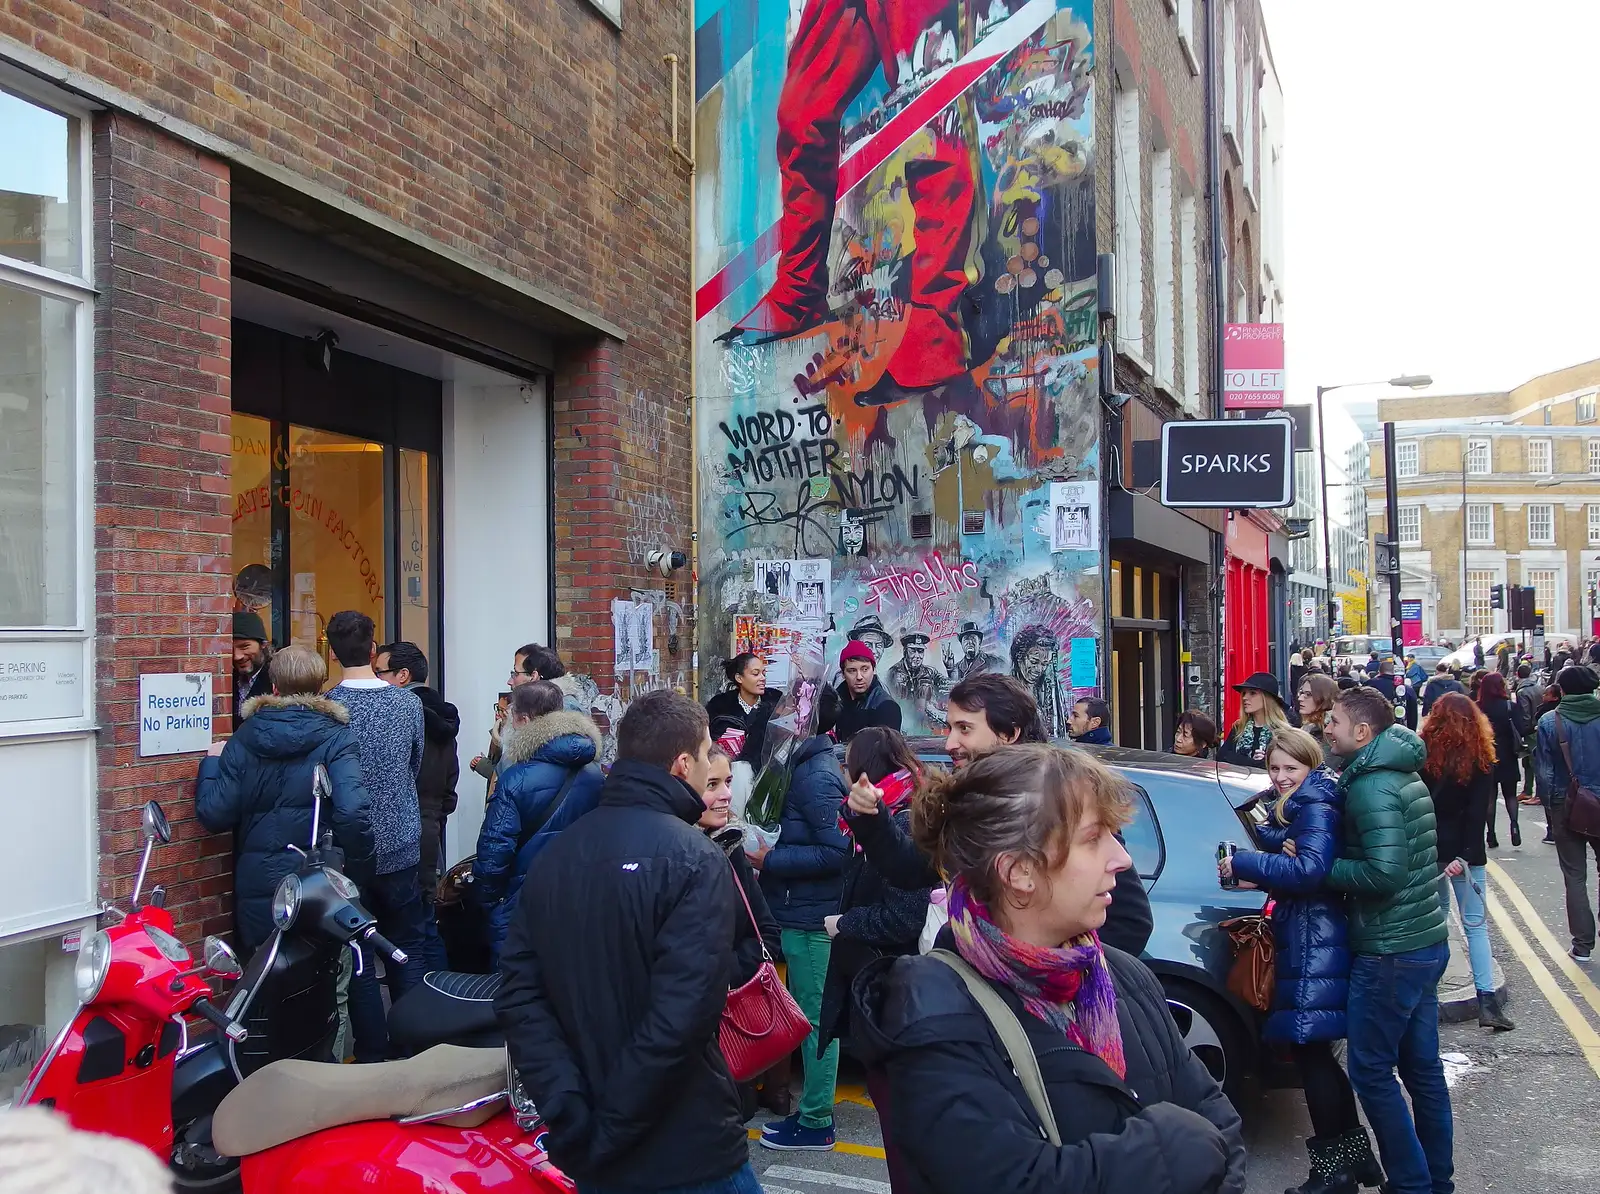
(1442, 189)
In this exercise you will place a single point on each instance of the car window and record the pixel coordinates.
(1142, 837)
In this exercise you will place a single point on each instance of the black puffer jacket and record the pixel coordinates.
(875, 707)
(803, 874)
(259, 789)
(962, 1121)
(614, 976)
(436, 782)
(889, 848)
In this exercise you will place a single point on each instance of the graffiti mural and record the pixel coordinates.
(897, 339)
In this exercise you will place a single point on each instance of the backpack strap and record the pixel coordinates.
(1012, 1035)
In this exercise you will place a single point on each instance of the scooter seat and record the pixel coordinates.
(290, 1099)
(447, 1007)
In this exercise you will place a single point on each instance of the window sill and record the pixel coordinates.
(1189, 56)
(1126, 352)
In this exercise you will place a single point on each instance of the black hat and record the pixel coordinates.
(869, 628)
(969, 630)
(915, 639)
(1576, 681)
(1261, 682)
(247, 624)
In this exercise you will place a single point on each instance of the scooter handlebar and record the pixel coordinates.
(207, 1010)
(388, 948)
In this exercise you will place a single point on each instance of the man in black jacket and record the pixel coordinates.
(616, 969)
(405, 666)
(987, 712)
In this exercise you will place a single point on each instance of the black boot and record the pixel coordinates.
(1492, 1013)
(1328, 1176)
(1356, 1159)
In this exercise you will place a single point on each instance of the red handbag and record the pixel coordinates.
(761, 1022)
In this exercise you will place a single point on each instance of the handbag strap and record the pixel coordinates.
(1566, 751)
(750, 912)
(1012, 1035)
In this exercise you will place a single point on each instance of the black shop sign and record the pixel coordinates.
(1228, 463)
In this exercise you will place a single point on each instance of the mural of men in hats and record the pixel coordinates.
(974, 659)
(913, 680)
(869, 630)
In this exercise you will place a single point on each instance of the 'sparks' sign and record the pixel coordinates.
(1228, 463)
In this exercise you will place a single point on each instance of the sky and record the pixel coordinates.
(1442, 190)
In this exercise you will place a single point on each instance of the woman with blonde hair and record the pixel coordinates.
(1312, 966)
(1260, 716)
(1027, 835)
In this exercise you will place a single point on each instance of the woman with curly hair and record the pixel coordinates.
(1460, 773)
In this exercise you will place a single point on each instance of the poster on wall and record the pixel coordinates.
(633, 629)
(1411, 623)
(899, 377)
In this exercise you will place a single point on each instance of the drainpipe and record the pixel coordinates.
(1219, 565)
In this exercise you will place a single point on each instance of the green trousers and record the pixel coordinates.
(806, 954)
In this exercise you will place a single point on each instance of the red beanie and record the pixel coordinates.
(856, 649)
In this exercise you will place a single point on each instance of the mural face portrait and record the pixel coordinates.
(915, 654)
(1037, 662)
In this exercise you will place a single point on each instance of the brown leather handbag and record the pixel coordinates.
(1253, 974)
(1583, 806)
(761, 1022)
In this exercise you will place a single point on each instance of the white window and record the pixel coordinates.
(1186, 39)
(1129, 217)
(1540, 457)
(1591, 593)
(1410, 526)
(1193, 302)
(1162, 264)
(1480, 523)
(45, 332)
(1407, 459)
(1541, 524)
(1478, 458)
(1480, 617)
(1586, 408)
(1545, 598)
(1594, 458)
(1594, 525)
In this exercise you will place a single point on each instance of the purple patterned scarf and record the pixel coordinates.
(1068, 988)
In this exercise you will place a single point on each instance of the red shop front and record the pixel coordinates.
(1246, 629)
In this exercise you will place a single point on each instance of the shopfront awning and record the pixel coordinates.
(1136, 519)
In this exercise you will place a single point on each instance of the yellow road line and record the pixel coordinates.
(1582, 1031)
(1575, 975)
(844, 1146)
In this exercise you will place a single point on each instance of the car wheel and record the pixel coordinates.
(1211, 1031)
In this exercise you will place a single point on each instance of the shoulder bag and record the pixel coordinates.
(1583, 806)
(761, 1022)
(1012, 1035)
(1252, 976)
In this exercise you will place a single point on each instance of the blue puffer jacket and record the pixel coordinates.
(523, 817)
(803, 875)
(1308, 924)
(259, 789)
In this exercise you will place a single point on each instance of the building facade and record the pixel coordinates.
(297, 316)
(1496, 489)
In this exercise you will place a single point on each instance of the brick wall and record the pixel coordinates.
(162, 459)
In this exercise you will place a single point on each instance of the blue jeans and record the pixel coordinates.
(743, 1181)
(1469, 889)
(396, 900)
(1393, 1018)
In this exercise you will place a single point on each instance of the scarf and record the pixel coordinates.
(897, 791)
(1579, 709)
(1068, 988)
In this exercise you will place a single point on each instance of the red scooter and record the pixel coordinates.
(299, 1126)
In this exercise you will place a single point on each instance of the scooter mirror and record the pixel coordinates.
(321, 789)
(154, 823)
(221, 960)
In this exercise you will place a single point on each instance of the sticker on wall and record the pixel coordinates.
(633, 629)
(1074, 516)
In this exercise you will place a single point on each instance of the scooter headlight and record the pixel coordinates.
(94, 961)
(286, 902)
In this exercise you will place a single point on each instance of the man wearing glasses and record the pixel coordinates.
(531, 662)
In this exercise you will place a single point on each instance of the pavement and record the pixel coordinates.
(1527, 1103)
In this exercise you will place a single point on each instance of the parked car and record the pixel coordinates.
(1183, 808)
(1465, 656)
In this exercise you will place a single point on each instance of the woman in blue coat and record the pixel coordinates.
(548, 779)
(1312, 968)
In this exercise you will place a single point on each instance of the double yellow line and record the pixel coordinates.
(1583, 1032)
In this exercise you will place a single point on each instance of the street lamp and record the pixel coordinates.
(1408, 381)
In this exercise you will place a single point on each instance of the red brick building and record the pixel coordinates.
(303, 308)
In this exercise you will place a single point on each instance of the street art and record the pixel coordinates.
(898, 430)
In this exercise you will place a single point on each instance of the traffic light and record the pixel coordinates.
(1497, 597)
(1522, 601)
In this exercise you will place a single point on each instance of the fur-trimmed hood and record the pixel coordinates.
(317, 704)
(524, 742)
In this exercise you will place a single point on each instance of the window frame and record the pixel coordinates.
(1143, 803)
(1589, 400)
(1401, 449)
(1549, 463)
(1550, 509)
(1475, 607)
(1400, 528)
(1594, 457)
(1487, 541)
(1551, 609)
(78, 289)
(1473, 444)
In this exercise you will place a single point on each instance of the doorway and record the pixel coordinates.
(336, 494)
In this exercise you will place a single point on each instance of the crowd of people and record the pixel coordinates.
(913, 904)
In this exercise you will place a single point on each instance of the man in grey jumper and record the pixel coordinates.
(388, 724)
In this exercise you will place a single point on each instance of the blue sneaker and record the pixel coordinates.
(786, 1135)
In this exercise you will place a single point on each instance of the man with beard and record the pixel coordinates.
(250, 658)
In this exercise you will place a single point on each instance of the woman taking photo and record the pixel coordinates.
(1506, 721)
(1312, 966)
(1461, 774)
(1028, 835)
(1195, 735)
(1314, 699)
(747, 704)
(1260, 716)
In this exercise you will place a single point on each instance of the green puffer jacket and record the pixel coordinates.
(1389, 865)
